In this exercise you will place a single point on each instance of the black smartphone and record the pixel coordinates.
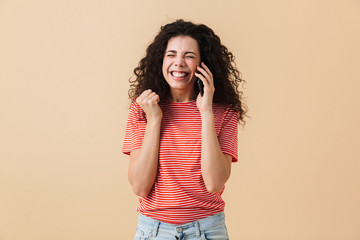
(200, 86)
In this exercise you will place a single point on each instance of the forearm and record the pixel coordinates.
(215, 166)
(144, 162)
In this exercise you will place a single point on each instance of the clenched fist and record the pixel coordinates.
(148, 101)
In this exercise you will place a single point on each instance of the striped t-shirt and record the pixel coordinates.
(179, 194)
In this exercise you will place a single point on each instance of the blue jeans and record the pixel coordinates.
(210, 228)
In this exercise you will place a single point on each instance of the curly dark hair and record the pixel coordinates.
(215, 55)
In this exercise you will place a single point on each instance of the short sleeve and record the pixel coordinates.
(135, 129)
(228, 136)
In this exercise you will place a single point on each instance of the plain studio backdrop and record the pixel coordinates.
(64, 70)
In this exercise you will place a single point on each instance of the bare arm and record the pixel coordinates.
(215, 165)
(144, 161)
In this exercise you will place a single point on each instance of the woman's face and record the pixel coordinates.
(181, 58)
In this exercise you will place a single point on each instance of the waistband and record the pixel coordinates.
(199, 225)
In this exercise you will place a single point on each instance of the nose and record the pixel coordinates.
(179, 61)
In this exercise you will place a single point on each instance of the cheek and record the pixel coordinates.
(193, 66)
(164, 66)
(164, 72)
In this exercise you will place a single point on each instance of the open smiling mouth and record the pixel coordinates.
(179, 74)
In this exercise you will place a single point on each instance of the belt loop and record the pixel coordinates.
(156, 228)
(197, 229)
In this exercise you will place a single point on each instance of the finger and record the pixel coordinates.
(203, 72)
(143, 95)
(156, 98)
(209, 76)
(202, 78)
(150, 97)
(206, 68)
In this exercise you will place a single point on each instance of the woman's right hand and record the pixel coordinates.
(148, 101)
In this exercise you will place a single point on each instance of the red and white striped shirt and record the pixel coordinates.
(179, 194)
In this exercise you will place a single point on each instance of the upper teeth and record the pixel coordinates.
(179, 74)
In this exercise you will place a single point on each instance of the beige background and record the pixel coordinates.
(64, 70)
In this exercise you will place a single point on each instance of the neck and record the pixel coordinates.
(177, 96)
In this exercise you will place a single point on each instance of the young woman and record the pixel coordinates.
(181, 133)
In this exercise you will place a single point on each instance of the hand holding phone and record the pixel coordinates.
(204, 75)
(200, 86)
(205, 86)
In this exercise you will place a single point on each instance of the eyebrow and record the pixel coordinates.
(173, 51)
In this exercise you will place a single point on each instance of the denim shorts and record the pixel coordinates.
(210, 228)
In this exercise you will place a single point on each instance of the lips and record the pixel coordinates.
(179, 74)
